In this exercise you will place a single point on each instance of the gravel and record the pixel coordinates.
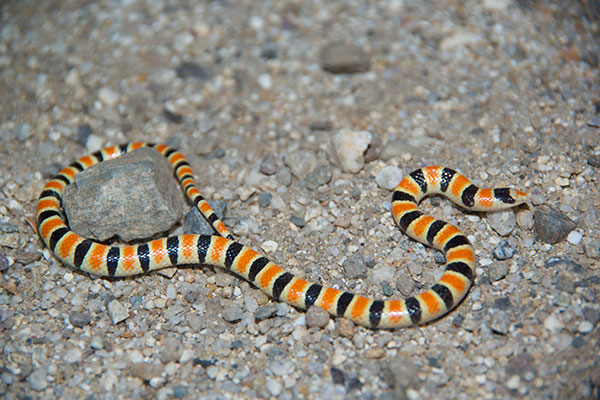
(254, 93)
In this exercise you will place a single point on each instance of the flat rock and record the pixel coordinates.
(344, 58)
(134, 196)
(551, 225)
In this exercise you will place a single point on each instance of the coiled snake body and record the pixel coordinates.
(222, 250)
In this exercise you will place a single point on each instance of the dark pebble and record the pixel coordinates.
(217, 153)
(79, 319)
(433, 362)
(203, 363)
(83, 133)
(577, 342)
(337, 376)
(321, 125)
(388, 290)
(265, 312)
(504, 250)
(264, 199)
(354, 384)
(502, 303)
(594, 161)
(551, 225)
(477, 131)
(236, 344)
(194, 70)
(3, 263)
(298, 221)
(179, 392)
(591, 314)
(268, 165)
(595, 122)
(458, 321)
(269, 51)
(342, 58)
(173, 117)
(321, 175)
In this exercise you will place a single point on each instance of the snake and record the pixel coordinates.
(221, 249)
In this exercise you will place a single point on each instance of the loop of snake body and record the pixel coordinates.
(222, 250)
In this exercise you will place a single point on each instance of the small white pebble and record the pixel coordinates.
(585, 327)
(269, 246)
(108, 96)
(513, 382)
(265, 82)
(574, 237)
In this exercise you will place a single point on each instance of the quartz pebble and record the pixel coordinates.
(349, 147)
(389, 177)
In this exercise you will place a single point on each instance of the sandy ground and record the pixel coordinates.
(506, 92)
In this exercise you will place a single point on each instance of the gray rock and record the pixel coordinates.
(389, 177)
(171, 350)
(500, 323)
(503, 222)
(497, 271)
(504, 250)
(343, 58)
(117, 312)
(321, 175)
(301, 162)
(355, 266)
(264, 199)
(268, 165)
(38, 380)
(298, 221)
(316, 317)
(111, 198)
(146, 371)
(265, 312)
(284, 176)
(79, 318)
(22, 132)
(233, 314)
(189, 69)
(552, 226)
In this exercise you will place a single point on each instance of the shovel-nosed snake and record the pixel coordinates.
(222, 250)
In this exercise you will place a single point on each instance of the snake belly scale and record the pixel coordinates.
(222, 250)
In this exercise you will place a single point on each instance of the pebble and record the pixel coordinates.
(190, 69)
(585, 327)
(298, 221)
(72, 356)
(38, 380)
(83, 134)
(498, 271)
(79, 318)
(504, 250)
(4, 264)
(500, 323)
(264, 199)
(316, 317)
(349, 147)
(321, 175)
(344, 58)
(265, 312)
(553, 323)
(108, 96)
(355, 266)
(574, 237)
(389, 177)
(273, 386)
(268, 165)
(551, 225)
(117, 312)
(146, 371)
(284, 176)
(269, 246)
(525, 219)
(22, 132)
(233, 314)
(503, 222)
(300, 162)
